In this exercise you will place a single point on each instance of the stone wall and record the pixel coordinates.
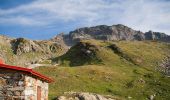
(16, 85)
(11, 85)
(31, 85)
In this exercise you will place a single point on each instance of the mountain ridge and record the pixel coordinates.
(110, 33)
(102, 32)
(19, 48)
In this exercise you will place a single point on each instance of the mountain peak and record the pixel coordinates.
(111, 33)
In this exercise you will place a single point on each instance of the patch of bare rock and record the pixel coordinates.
(83, 96)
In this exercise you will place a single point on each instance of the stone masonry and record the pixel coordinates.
(16, 85)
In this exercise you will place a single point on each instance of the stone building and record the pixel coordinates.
(18, 83)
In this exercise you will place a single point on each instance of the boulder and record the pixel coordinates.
(83, 96)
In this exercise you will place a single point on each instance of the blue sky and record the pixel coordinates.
(43, 19)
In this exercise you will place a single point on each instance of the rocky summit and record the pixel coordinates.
(110, 33)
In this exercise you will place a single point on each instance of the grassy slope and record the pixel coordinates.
(116, 76)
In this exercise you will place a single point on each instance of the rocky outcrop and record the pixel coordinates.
(110, 33)
(164, 66)
(155, 35)
(166, 39)
(103, 32)
(21, 45)
(83, 96)
(63, 39)
(83, 53)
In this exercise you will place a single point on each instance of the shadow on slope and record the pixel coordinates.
(80, 54)
(135, 53)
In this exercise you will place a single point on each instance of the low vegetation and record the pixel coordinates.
(125, 72)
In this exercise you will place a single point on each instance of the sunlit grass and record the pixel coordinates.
(115, 75)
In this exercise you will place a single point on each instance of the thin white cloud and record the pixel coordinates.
(139, 14)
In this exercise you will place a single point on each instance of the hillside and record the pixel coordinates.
(123, 69)
(24, 52)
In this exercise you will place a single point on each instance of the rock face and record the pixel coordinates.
(164, 66)
(110, 33)
(155, 35)
(21, 45)
(83, 96)
(103, 32)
